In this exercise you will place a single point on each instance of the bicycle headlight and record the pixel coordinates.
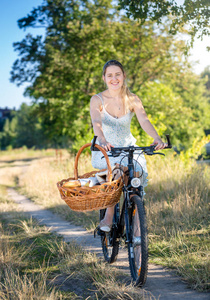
(135, 182)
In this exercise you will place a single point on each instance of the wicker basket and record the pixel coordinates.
(91, 198)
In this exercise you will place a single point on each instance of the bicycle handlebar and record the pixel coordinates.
(148, 150)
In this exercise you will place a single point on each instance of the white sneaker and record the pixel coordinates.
(104, 227)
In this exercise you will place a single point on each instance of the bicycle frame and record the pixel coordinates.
(129, 190)
(127, 203)
(132, 218)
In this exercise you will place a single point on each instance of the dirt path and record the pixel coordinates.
(161, 283)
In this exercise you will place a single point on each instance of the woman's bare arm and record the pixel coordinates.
(146, 124)
(95, 104)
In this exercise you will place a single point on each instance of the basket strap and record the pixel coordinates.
(109, 177)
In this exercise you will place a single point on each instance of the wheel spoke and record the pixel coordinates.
(138, 247)
(136, 238)
(110, 248)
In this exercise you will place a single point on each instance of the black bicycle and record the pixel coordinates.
(129, 221)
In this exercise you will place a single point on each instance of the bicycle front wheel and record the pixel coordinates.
(138, 245)
(109, 242)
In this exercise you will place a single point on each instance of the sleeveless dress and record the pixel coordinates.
(117, 132)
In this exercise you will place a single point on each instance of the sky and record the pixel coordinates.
(10, 11)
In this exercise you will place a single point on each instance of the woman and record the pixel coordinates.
(111, 113)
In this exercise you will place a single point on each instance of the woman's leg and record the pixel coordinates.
(106, 222)
(108, 218)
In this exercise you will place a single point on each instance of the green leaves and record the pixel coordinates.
(64, 69)
(193, 14)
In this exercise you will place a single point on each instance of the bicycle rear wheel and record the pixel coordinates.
(138, 245)
(109, 241)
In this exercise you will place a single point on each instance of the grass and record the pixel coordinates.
(24, 154)
(177, 203)
(36, 264)
(39, 183)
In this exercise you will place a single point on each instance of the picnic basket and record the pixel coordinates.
(85, 198)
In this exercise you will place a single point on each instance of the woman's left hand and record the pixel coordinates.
(160, 144)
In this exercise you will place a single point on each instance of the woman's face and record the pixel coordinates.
(114, 77)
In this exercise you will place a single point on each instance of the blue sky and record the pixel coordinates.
(12, 10)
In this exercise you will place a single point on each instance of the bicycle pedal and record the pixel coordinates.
(98, 231)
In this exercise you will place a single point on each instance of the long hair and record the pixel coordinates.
(127, 96)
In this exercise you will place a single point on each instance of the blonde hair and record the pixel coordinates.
(127, 96)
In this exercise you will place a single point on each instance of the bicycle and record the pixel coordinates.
(131, 218)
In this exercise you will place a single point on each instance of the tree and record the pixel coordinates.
(64, 67)
(29, 131)
(180, 109)
(206, 75)
(24, 129)
(9, 133)
(195, 14)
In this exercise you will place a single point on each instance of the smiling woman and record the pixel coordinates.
(111, 113)
(114, 77)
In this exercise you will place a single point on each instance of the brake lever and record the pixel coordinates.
(153, 153)
(113, 155)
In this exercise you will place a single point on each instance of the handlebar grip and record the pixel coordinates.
(168, 141)
(92, 148)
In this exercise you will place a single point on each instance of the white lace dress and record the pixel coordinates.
(117, 132)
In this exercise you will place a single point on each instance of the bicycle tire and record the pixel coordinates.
(138, 245)
(110, 246)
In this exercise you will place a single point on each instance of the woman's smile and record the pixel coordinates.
(114, 77)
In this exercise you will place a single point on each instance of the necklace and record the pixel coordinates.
(117, 107)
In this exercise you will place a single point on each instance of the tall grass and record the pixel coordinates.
(177, 199)
(39, 183)
(36, 264)
(177, 204)
(18, 279)
(24, 153)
